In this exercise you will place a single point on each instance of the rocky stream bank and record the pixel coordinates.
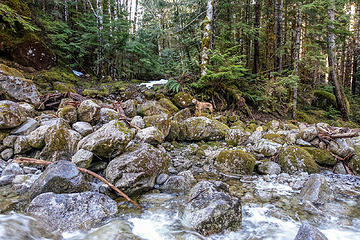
(207, 177)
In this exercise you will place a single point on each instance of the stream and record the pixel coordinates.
(270, 206)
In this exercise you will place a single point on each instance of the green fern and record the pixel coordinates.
(173, 86)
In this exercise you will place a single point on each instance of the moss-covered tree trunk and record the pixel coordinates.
(339, 89)
(206, 40)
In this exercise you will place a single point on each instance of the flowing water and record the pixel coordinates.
(270, 211)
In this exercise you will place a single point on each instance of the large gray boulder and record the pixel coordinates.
(36, 138)
(88, 111)
(108, 141)
(316, 190)
(308, 232)
(236, 136)
(202, 128)
(59, 177)
(210, 209)
(161, 122)
(150, 135)
(11, 115)
(19, 89)
(60, 142)
(83, 128)
(267, 147)
(135, 172)
(107, 115)
(294, 159)
(235, 162)
(150, 108)
(27, 127)
(69, 212)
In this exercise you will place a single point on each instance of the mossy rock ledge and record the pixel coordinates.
(321, 156)
(235, 162)
(296, 159)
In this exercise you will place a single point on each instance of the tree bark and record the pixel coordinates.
(206, 39)
(356, 51)
(279, 35)
(338, 90)
(257, 36)
(297, 58)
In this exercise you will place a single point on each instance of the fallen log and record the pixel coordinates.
(83, 170)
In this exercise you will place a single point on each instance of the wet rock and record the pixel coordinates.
(135, 172)
(36, 138)
(7, 154)
(82, 158)
(179, 183)
(129, 107)
(150, 135)
(88, 111)
(21, 145)
(138, 121)
(236, 136)
(11, 115)
(69, 212)
(108, 141)
(12, 169)
(22, 183)
(269, 168)
(60, 142)
(295, 159)
(161, 122)
(26, 128)
(202, 128)
(308, 232)
(211, 209)
(340, 169)
(182, 115)
(59, 177)
(267, 147)
(183, 100)
(150, 108)
(19, 89)
(69, 113)
(316, 190)
(235, 162)
(107, 115)
(83, 128)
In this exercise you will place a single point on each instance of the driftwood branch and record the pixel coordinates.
(83, 170)
(196, 195)
(344, 162)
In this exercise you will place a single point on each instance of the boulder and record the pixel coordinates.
(179, 183)
(150, 108)
(12, 169)
(210, 209)
(308, 134)
(183, 100)
(9, 141)
(308, 232)
(129, 107)
(182, 115)
(19, 89)
(135, 172)
(174, 131)
(354, 163)
(108, 141)
(161, 122)
(168, 105)
(150, 135)
(36, 138)
(321, 156)
(21, 145)
(11, 115)
(60, 142)
(82, 158)
(267, 147)
(236, 136)
(235, 162)
(201, 128)
(7, 154)
(88, 111)
(59, 177)
(107, 115)
(83, 128)
(70, 212)
(26, 128)
(342, 147)
(69, 113)
(296, 159)
(269, 168)
(316, 190)
(138, 121)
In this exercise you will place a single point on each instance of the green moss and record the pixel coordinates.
(183, 99)
(239, 124)
(354, 163)
(10, 71)
(293, 159)
(103, 92)
(167, 104)
(304, 117)
(252, 127)
(324, 99)
(45, 79)
(275, 138)
(321, 156)
(69, 113)
(235, 162)
(63, 87)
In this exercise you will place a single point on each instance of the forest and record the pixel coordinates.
(285, 58)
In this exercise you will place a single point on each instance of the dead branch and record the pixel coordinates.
(83, 170)
(344, 162)
(196, 195)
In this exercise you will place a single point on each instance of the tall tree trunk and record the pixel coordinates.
(279, 35)
(342, 63)
(135, 16)
(338, 90)
(257, 36)
(206, 39)
(297, 58)
(247, 37)
(356, 75)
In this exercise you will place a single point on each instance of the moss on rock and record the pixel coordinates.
(183, 99)
(324, 99)
(321, 156)
(275, 138)
(294, 159)
(167, 104)
(235, 162)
